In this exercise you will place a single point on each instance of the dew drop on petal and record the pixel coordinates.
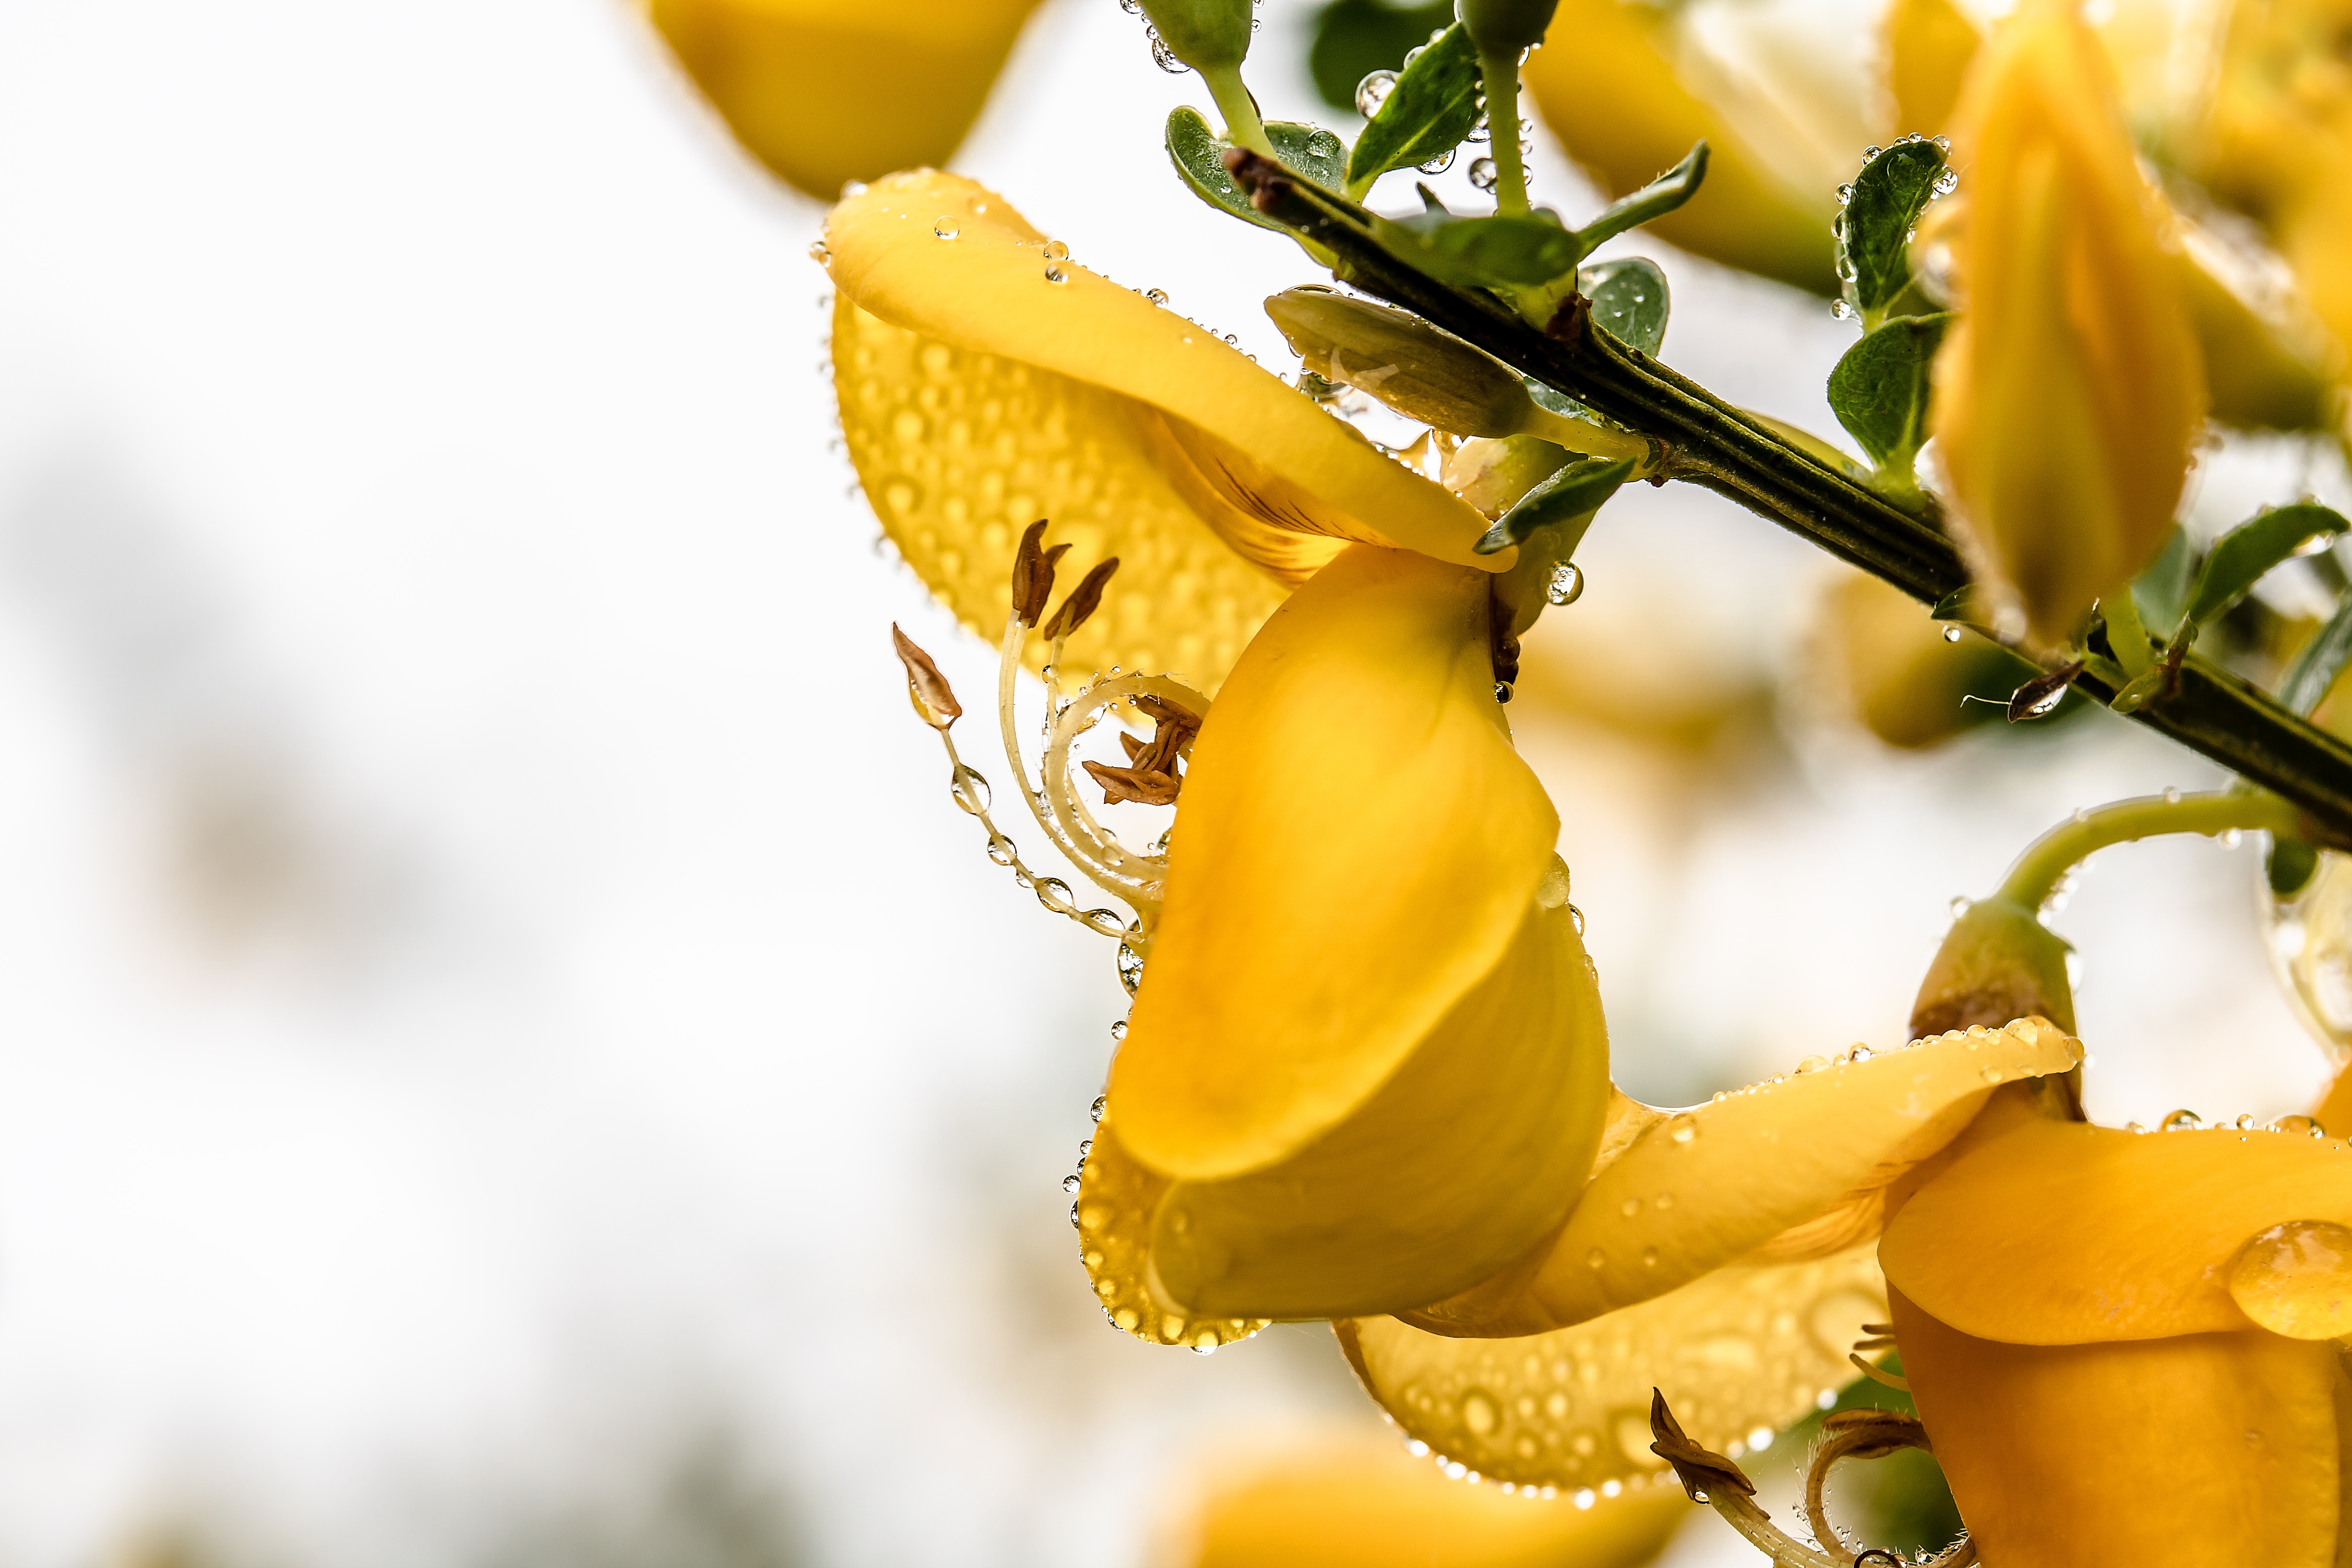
(2181, 1121)
(945, 228)
(1952, 634)
(2296, 1279)
(1157, 296)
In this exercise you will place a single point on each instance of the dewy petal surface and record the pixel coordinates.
(1360, 1499)
(1740, 1349)
(1357, 847)
(2217, 1449)
(2139, 1248)
(1704, 1188)
(1114, 1212)
(1261, 441)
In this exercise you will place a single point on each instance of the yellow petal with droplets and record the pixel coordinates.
(2217, 1449)
(1358, 1500)
(1116, 1199)
(959, 451)
(2138, 1248)
(1743, 1348)
(992, 290)
(1468, 1156)
(823, 91)
(1357, 847)
(1708, 1186)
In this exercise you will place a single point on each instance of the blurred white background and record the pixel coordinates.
(504, 1038)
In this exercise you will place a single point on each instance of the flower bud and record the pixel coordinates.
(1421, 373)
(2067, 398)
(1207, 34)
(1999, 963)
(1501, 28)
(1927, 45)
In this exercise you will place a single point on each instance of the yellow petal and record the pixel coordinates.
(1927, 46)
(824, 92)
(2060, 1233)
(1606, 84)
(1742, 1349)
(1114, 1213)
(1466, 1156)
(1700, 1188)
(2218, 1449)
(991, 290)
(1359, 1501)
(1357, 845)
(2067, 398)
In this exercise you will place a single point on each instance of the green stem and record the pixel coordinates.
(1500, 75)
(2047, 860)
(1242, 126)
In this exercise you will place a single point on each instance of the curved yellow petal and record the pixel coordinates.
(1357, 845)
(959, 451)
(991, 289)
(1698, 1189)
(1359, 1501)
(2220, 1449)
(1116, 1202)
(2068, 397)
(2061, 1233)
(1606, 84)
(1927, 46)
(1742, 1349)
(1466, 1156)
(824, 91)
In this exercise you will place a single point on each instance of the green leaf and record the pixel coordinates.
(1629, 300)
(2161, 592)
(1353, 39)
(1873, 232)
(1879, 390)
(2141, 687)
(1576, 490)
(2240, 557)
(1504, 250)
(2290, 865)
(1433, 106)
(1654, 200)
(1198, 154)
(2323, 659)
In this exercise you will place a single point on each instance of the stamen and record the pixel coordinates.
(934, 699)
(1887, 1379)
(1868, 1434)
(1084, 600)
(1033, 573)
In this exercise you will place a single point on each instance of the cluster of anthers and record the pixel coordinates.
(1712, 1479)
(1153, 775)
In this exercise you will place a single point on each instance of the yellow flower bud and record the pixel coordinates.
(825, 92)
(1927, 46)
(2067, 398)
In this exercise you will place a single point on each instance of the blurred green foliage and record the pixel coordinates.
(1354, 39)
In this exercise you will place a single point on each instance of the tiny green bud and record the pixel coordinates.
(1999, 964)
(1504, 28)
(1207, 34)
(1421, 371)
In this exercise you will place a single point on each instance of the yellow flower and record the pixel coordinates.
(2123, 1343)
(2069, 396)
(1356, 1500)
(825, 92)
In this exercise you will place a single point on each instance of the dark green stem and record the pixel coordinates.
(1715, 444)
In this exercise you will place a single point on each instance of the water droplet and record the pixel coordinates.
(1102, 1104)
(1414, 54)
(1073, 1218)
(1118, 1030)
(2296, 1280)
(1576, 919)
(1056, 273)
(1479, 1414)
(1439, 163)
(1648, 1257)
(1948, 179)
(1952, 634)
(1502, 691)
(1157, 296)
(821, 253)
(1057, 251)
(970, 790)
(1630, 1207)
(1596, 1258)
(1860, 1053)
(2172, 794)
(1682, 1130)
(1001, 851)
(1870, 152)
(1165, 58)
(1943, 143)
(1842, 308)
(1054, 894)
(1992, 1075)
(1132, 7)
(1566, 584)
(945, 228)
(1130, 968)
(1844, 194)
(2230, 838)
(1961, 906)
(1105, 922)
(1811, 1064)
(2181, 1121)
(1483, 173)
(1373, 91)
(1071, 1183)
(852, 188)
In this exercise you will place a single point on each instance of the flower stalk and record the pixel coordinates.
(2046, 862)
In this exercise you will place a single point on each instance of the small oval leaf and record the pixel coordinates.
(1198, 152)
(1433, 106)
(1629, 300)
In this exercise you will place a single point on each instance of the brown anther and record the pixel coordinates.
(1167, 714)
(2037, 697)
(1150, 777)
(1134, 784)
(1084, 600)
(1032, 573)
(1703, 1473)
(928, 689)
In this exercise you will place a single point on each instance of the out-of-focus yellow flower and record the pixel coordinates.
(1627, 87)
(825, 92)
(1356, 1499)
(1927, 46)
(2069, 395)
(1885, 663)
(2122, 1343)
